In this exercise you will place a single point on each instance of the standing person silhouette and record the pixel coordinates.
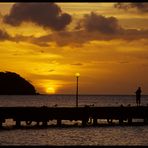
(138, 96)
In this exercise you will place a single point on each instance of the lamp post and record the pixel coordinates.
(77, 76)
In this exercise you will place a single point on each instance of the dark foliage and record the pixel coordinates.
(13, 84)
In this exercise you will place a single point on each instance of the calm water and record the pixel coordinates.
(108, 135)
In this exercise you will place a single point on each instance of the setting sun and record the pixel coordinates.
(50, 90)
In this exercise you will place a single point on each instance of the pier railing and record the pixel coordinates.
(45, 114)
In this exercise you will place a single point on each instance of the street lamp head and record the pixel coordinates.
(77, 74)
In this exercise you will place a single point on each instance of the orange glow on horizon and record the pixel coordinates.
(50, 90)
(49, 86)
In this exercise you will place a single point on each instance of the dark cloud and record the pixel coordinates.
(77, 64)
(91, 27)
(51, 70)
(78, 38)
(4, 35)
(102, 24)
(48, 15)
(141, 7)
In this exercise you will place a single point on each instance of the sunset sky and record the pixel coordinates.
(47, 43)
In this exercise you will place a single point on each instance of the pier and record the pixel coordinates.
(87, 115)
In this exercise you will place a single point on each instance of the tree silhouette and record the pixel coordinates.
(13, 84)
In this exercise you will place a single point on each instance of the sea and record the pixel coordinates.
(73, 135)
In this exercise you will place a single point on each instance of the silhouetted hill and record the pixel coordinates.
(12, 84)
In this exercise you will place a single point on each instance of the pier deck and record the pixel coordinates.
(85, 114)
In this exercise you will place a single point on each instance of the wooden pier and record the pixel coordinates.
(87, 115)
